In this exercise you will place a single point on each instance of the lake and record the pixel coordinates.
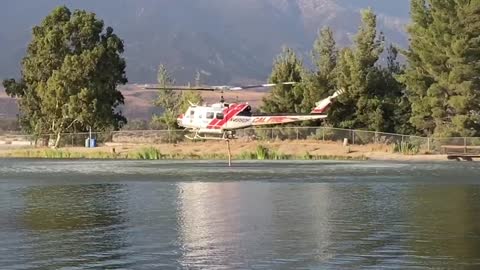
(256, 215)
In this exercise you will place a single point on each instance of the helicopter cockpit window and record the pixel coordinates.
(210, 115)
(219, 115)
(192, 113)
(246, 112)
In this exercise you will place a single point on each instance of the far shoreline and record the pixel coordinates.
(217, 151)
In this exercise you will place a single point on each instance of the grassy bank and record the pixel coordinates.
(260, 152)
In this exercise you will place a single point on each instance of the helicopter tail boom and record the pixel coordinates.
(322, 106)
(275, 120)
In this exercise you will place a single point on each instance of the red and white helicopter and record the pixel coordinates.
(221, 120)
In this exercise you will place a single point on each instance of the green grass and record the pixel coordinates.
(60, 154)
(264, 153)
(148, 154)
(406, 148)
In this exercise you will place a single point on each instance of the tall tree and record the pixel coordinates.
(321, 82)
(287, 67)
(361, 106)
(70, 75)
(169, 100)
(172, 102)
(443, 66)
(397, 108)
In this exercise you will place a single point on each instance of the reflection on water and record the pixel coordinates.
(372, 216)
(61, 224)
(455, 236)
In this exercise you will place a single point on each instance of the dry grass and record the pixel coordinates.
(217, 150)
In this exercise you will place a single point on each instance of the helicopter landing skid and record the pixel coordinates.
(227, 135)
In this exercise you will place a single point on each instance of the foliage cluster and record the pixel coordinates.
(172, 102)
(406, 148)
(73, 65)
(70, 76)
(374, 99)
(436, 93)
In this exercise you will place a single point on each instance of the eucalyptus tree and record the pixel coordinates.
(70, 75)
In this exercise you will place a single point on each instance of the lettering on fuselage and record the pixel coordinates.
(241, 119)
(270, 119)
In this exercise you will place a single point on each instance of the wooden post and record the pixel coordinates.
(229, 154)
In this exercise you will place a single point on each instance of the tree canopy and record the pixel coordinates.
(73, 66)
(443, 66)
(70, 75)
(374, 99)
(287, 67)
(172, 102)
(320, 82)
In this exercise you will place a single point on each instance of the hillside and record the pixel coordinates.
(139, 103)
(227, 41)
(8, 106)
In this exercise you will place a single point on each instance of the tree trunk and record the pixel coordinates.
(46, 140)
(57, 141)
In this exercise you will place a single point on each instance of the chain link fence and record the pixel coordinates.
(355, 137)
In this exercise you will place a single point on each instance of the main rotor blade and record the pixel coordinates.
(217, 88)
(182, 88)
(236, 88)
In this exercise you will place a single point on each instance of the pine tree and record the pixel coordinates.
(397, 108)
(168, 100)
(320, 83)
(362, 106)
(285, 98)
(443, 67)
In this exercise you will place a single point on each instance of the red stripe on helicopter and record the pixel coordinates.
(229, 113)
(318, 110)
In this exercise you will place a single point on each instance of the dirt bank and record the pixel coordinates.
(295, 149)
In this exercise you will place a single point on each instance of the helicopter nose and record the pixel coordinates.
(180, 119)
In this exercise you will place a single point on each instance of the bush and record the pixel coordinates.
(149, 154)
(406, 148)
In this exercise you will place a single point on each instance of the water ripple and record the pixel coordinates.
(287, 215)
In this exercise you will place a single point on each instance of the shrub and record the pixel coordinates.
(406, 148)
(149, 154)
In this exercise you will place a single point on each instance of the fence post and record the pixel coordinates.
(297, 133)
(323, 133)
(464, 145)
(428, 144)
(353, 137)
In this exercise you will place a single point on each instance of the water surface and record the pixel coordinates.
(256, 215)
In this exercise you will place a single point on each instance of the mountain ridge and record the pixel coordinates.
(227, 41)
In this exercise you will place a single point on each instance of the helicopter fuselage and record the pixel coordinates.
(222, 117)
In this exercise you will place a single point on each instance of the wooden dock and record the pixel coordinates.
(457, 152)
